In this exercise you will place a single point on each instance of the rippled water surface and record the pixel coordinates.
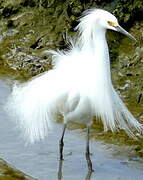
(40, 160)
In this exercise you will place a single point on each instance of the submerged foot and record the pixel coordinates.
(89, 162)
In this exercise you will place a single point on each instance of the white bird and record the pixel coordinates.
(78, 88)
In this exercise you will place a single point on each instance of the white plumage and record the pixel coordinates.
(78, 87)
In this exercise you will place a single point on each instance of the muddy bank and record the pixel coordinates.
(7, 172)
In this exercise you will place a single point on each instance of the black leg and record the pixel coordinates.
(61, 144)
(87, 153)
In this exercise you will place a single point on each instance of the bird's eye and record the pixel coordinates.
(112, 23)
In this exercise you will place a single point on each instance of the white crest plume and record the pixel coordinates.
(78, 87)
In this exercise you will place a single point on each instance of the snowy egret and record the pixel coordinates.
(78, 87)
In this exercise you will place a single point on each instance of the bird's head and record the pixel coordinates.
(109, 21)
(100, 20)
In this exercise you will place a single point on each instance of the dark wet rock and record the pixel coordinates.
(7, 172)
(9, 10)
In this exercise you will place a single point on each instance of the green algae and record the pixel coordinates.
(129, 10)
(10, 173)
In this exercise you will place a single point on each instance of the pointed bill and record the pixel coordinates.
(123, 31)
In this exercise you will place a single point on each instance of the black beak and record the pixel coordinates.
(123, 31)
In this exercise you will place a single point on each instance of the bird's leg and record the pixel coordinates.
(87, 152)
(61, 144)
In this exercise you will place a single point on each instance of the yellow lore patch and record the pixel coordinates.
(112, 23)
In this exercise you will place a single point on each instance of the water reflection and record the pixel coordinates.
(88, 176)
(60, 172)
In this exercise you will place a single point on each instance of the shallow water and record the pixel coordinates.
(40, 160)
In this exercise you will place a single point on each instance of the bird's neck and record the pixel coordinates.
(96, 47)
(94, 43)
